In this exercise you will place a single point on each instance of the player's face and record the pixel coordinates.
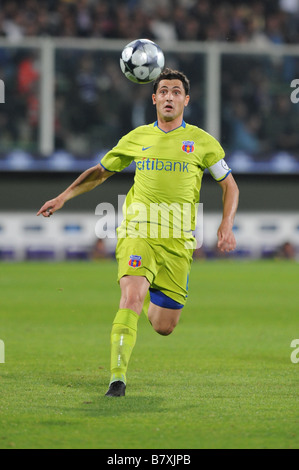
(170, 100)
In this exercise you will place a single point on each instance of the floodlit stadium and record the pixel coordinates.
(227, 376)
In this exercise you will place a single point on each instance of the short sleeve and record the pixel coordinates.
(118, 158)
(214, 152)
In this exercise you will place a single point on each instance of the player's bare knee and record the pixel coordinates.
(164, 330)
(133, 291)
(132, 301)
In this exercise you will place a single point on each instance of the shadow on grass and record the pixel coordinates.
(86, 395)
(106, 407)
(111, 406)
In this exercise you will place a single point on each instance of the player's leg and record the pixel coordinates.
(136, 267)
(133, 292)
(169, 289)
(163, 320)
(124, 330)
(146, 304)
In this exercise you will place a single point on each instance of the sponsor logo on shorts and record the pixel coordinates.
(135, 261)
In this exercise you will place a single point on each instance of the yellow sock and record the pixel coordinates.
(123, 339)
(146, 304)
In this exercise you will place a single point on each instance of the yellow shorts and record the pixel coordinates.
(166, 264)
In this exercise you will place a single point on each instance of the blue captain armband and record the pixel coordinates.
(220, 170)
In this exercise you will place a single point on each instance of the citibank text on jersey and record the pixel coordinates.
(159, 165)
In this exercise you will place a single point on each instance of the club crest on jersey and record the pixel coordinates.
(135, 261)
(188, 146)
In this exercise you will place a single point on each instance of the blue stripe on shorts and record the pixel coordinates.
(162, 300)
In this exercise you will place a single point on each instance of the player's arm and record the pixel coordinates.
(230, 199)
(87, 181)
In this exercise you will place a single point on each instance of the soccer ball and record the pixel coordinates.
(142, 61)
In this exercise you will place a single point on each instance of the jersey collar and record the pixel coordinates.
(182, 125)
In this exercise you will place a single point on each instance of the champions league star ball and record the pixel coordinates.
(142, 61)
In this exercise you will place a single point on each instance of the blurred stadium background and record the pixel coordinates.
(67, 103)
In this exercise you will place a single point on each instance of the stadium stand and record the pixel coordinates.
(245, 21)
(255, 100)
(73, 236)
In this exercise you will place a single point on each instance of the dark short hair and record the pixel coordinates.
(170, 74)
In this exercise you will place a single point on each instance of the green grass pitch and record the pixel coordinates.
(223, 379)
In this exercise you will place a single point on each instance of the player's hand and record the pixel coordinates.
(226, 238)
(51, 206)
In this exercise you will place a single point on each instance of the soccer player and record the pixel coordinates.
(154, 250)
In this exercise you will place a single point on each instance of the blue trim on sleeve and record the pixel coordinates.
(104, 166)
(111, 171)
(162, 300)
(224, 176)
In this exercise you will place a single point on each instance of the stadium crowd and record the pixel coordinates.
(205, 20)
(257, 116)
